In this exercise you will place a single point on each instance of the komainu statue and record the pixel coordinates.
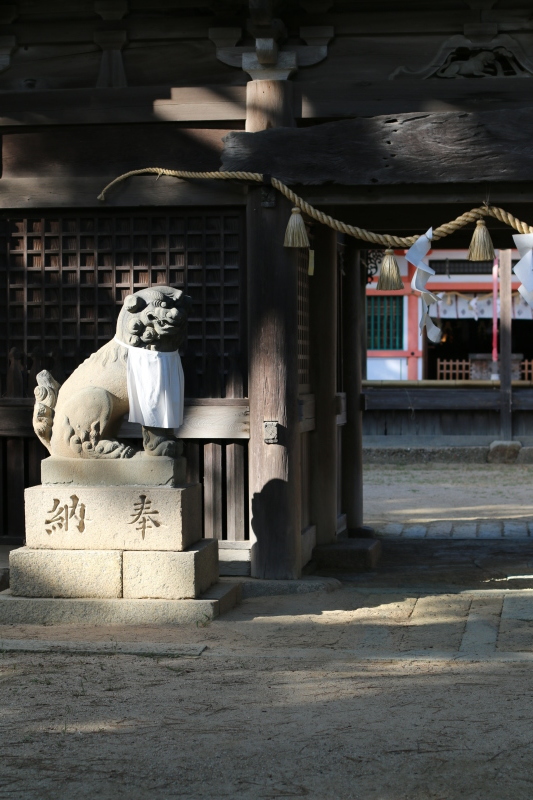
(138, 371)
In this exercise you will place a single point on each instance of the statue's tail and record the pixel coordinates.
(45, 402)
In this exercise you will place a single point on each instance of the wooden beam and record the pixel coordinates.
(429, 20)
(351, 98)
(353, 323)
(82, 192)
(323, 363)
(203, 419)
(219, 103)
(423, 148)
(506, 419)
(410, 399)
(109, 150)
(133, 104)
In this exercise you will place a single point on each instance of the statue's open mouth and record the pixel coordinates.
(167, 324)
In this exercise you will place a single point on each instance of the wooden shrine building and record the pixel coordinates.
(393, 119)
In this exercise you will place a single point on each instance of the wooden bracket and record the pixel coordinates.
(271, 431)
(268, 60)
(111, 74)
(111, 9)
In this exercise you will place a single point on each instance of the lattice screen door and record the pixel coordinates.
(64, 278)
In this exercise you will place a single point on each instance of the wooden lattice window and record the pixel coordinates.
(453, 369)
(303, 320)
(65, 277)
(385, 322)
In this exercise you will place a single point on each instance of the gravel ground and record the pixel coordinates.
(410, 683)
(431, 492)
(374, 694)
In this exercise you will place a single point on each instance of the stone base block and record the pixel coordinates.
(525, 455)
(141, 470)
(65, 573)
(171, 576)
(503, 452)
(78, 517)
(48, 611)
(348, 555)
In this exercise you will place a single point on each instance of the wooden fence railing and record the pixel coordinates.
(453, 369)
(215, 434)
(432, 408)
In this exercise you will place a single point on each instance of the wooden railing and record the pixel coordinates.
(433, 408)
(453, 369)
(215, 434)
(526, 370)
(449, 369)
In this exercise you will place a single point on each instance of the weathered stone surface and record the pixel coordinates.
(503, 452)
(113, 517)
(171, 576)
(141, 470)
(425, 455)
(65, 573)
(525, 455)
(88, 611)
(258, 587)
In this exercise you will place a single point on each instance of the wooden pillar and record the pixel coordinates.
(352, 434)
(323, 363)
(274, 447)
(268, 105)
(274, 468)
(506, 422)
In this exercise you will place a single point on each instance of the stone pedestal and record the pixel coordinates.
(133, 538)
(141, 470)
(77, 517)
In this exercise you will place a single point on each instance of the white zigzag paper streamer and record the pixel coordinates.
(524, 269)
(415, 255)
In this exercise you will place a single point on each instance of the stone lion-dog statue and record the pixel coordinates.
(81, 418)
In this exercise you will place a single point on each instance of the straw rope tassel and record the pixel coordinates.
(296, 233)
(389, 275)
(481, 247)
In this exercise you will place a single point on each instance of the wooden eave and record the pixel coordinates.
(314, 101)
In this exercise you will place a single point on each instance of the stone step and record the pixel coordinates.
(67, 611)
(348, 555)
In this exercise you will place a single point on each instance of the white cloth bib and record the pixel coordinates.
(156, 387)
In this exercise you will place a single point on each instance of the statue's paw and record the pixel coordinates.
(110, 448)
(128, 452)
(75, 444)
(168, 448)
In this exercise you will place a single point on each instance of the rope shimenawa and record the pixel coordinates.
(385, 239)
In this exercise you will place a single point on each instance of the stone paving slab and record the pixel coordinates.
(365, 623)
(506, 529)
